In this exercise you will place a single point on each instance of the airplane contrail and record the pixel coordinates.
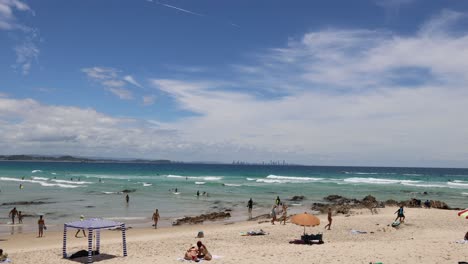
(176, 8)
(186, 11)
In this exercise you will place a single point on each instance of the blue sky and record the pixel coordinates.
(364, 82)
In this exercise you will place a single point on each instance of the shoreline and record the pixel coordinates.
(408, 243)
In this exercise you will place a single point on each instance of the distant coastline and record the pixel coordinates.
(67, 158)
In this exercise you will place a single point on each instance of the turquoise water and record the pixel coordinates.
(94, 189)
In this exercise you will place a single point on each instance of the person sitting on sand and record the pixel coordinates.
(466, 236)
(203, 251)
(400, 215)
(3, 257)
(273, 215)
(192, 253)
(329, 218)
(155, 218)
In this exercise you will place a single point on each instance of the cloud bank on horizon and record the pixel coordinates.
(333, 95)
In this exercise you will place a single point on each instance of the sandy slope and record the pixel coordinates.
(428, 236)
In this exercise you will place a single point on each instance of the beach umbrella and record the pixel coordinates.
(463, 214)
(305, 219)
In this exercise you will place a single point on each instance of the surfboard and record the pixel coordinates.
(176, 193)
(396, 223)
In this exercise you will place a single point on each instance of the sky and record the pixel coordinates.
(360, 83)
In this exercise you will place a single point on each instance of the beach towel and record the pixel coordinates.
(357, 232)
(254, 233)
(309, 242)
(199, 260)
(461, 241)
(6, 261)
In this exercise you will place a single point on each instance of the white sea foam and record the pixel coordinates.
(35, 171)
(71, 182)
(205, 178)
(147, 184)
(111, 192)
(426, 185)
(251, 179)
(40, 178)
(232, 184)
(276, 177)
(53, 173)
(378, 181)
(200, 183)
(412, 174)
(464, 193)
(42, 183)
(458, 184)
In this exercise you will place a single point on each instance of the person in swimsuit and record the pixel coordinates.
(20, 217)
(192, 254)
(250, 206)
(156, 218)
(273, 215)
(41, 225)
(203, 251)
(285, 214)
(127, 198)
(13, 214)
(400, 215)
(329, 218)
(78, 231)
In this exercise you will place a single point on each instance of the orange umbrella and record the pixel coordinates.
(305, 219)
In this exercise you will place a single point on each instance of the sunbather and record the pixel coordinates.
(192, 254)
(3, 257)
(203, 251)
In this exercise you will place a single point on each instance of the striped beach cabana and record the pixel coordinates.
(94, 225)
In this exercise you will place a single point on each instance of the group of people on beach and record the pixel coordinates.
(15, 213)
(197, 252)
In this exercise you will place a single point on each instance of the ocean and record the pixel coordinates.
(67, 190)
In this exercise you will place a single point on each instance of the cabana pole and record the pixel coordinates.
(90, 245)
(64, 250)
(124, 240)
(98, 240)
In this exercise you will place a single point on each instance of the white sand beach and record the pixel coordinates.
(427, 236)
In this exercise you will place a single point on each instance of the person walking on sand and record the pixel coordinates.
(13, 214)
(41, 225)
(78, 231)
(127, 198)
(273, 215)
(285, 214)
(400, 215)
(250, 206)
(156, 218)
(329, 219)
(277, 201)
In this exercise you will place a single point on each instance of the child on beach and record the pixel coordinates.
(400, 215)
(20, 217)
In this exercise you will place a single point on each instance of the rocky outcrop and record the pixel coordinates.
(201, 218)
(297, 198)
(26, 203)
(343, 205)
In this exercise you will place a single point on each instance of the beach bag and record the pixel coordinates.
(200, 234)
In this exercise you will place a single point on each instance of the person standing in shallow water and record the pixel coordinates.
(250, 206)
(13, 214)
(41, 225)
(329, 218)
(156, 218)
(127, 198)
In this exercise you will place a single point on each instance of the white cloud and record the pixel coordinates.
(148, 99)
(131, 80)
(122, 93)
(27, 51)
(112, 80)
